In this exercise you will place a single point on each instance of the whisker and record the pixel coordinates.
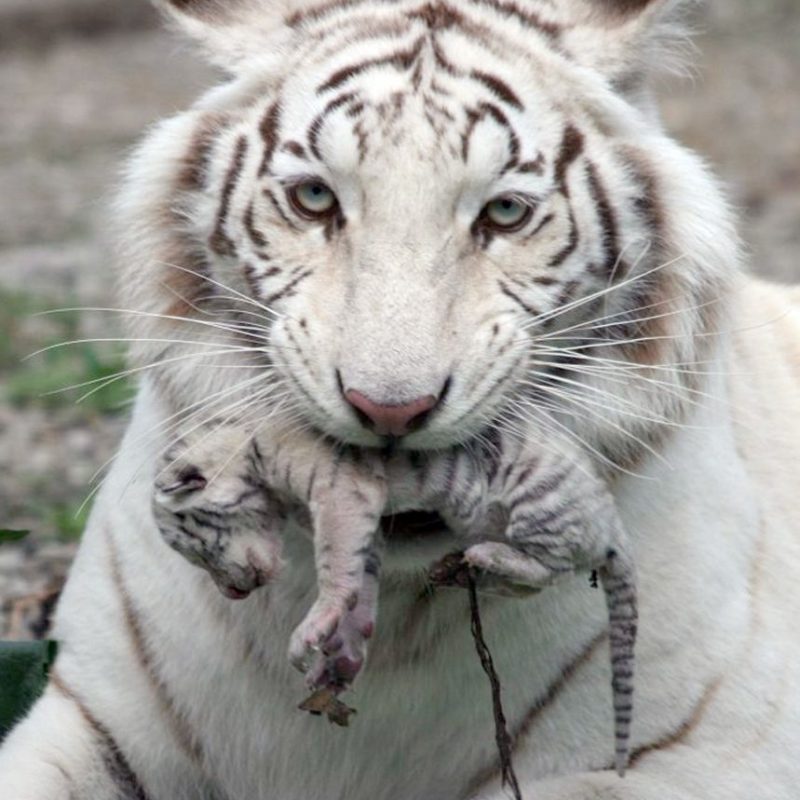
(679, 392)
(232, 410)
(572, 434)
(227, 328)
(549, 441)
(106, 380)
(683, 367)
(121, 339)
(615, 402)
(588, 407)
(240, 295)
(557, 312)
(195, 408)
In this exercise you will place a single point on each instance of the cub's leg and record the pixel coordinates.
(561, 518)
(346, 499)
(211, 505)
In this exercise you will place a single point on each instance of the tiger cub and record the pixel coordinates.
(527, 518)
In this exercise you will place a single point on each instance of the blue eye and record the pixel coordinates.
(313, 199)
(507, 213)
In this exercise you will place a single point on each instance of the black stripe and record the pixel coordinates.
(315, 129)
(571, 147)
(269, 134)
(403, 59)
(528, 19)
(570, 247)
(117, 765)
(219, 242)
(517, 299)
(277, 206)
(288, 288)
(498, 87)
(608, 220)
(256, 236)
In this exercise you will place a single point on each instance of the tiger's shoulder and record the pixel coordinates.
(763, 377)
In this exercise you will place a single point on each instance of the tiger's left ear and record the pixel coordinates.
(629, 40)
(230, 32)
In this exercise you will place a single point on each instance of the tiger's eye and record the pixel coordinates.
(507, 213)
(313, 199)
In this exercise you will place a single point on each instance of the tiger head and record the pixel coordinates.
(426, 218)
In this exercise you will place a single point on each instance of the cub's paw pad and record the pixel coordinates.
(334, 673)
(313, 634)
(480, 563)
(505, 571)
(451, 571)
(330, 646)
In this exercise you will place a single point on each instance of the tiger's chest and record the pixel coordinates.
(424, 724)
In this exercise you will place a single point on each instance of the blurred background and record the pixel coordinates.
(79, 82)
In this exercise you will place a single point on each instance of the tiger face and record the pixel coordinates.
(428, 205)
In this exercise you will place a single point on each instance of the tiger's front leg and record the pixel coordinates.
(212, 506)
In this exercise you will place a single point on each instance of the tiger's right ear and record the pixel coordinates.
(230, 32)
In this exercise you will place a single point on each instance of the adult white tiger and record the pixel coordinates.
(461, 179)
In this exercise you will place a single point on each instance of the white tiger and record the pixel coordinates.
(468, 211)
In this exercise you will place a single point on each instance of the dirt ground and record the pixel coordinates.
(81, 79)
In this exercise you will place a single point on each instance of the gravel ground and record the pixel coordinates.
(80, 81)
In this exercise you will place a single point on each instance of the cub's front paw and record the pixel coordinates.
(485, 563)
(505, 570)
(330, 645)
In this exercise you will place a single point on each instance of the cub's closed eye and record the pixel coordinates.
(506, 214)
(312, 199)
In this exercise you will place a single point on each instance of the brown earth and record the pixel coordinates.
(80, 81)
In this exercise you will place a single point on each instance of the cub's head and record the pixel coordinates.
(418, 219)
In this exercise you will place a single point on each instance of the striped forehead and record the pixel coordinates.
(408, 83)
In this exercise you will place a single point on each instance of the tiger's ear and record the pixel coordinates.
(230, 32)
(629, 40)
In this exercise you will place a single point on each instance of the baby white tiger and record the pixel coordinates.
(221, 496)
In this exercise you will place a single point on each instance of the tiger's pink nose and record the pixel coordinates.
(391, 420)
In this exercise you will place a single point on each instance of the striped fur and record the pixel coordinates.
(611, 321)
(536, 517)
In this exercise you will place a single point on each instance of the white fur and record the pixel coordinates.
(713, 518)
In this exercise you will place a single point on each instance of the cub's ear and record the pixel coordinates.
(230, 32)
(629, 40)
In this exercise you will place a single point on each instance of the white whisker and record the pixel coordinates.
(557, 312)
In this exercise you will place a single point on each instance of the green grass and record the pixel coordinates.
(41, 380)
(43, 502)
(68, 521)
(24, 667)
(7, 535)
